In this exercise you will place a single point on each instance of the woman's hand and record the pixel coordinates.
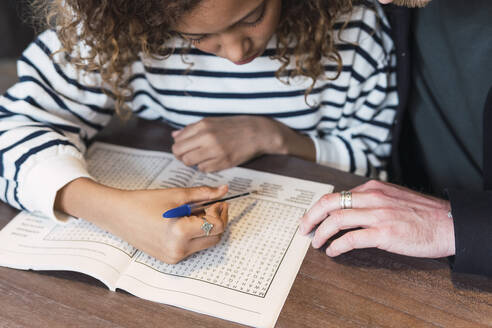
(136, 216)
(214, 144)
(391, 218)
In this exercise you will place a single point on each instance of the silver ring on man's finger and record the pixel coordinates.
(345, 199)
(206, 226)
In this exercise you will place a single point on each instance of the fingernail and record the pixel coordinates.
(302, 229)
(329, 252)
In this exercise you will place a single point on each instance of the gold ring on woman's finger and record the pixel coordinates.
(345, 199)
(206, 226)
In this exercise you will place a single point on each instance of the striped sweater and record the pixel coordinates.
(47, 118)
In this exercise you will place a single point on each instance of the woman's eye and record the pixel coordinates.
(251, 21)
(256, 18)
(195, 39)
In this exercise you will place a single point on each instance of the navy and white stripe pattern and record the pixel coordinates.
(47, 118)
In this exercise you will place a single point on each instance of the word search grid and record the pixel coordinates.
(248, 255)
(249, 263)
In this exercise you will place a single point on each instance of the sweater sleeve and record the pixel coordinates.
(354, 135)
(46, 120)
(472, 216)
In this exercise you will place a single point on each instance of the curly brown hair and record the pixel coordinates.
(117, 32)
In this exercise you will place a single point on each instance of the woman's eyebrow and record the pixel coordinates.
(234, 24)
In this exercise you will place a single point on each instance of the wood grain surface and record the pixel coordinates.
(364, 288)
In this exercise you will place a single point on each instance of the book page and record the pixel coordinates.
(245, 278)
(39, 243)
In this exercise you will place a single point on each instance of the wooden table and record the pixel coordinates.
(8, 74)
(364, 288)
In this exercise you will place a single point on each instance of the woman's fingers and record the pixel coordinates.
(185, 146)
(216, 215)
(202, 193)
(197, 156)
(187, 132)
(189, 139)
(213, 165)
(199, 244)
(214, 220)
(219, 210)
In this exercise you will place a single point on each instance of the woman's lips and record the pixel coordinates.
(247, 60)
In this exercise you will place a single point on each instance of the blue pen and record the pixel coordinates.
(187, 209)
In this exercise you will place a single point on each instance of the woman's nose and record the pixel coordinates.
(235, 46)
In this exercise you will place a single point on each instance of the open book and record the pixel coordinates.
(245, 278)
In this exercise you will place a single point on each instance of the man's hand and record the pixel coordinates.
(390, 217)
(214, 144)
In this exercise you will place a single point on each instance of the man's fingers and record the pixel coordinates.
(377, 198)
(331, 202)
(318, 212)
(363, 238)
(402, 193)
(342, 220)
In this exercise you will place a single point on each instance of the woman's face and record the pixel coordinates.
(407, 3)
(237, 30)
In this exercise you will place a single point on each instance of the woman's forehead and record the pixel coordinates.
(211, 16)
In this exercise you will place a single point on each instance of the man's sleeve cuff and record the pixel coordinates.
(43, 181)
(472, 215)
